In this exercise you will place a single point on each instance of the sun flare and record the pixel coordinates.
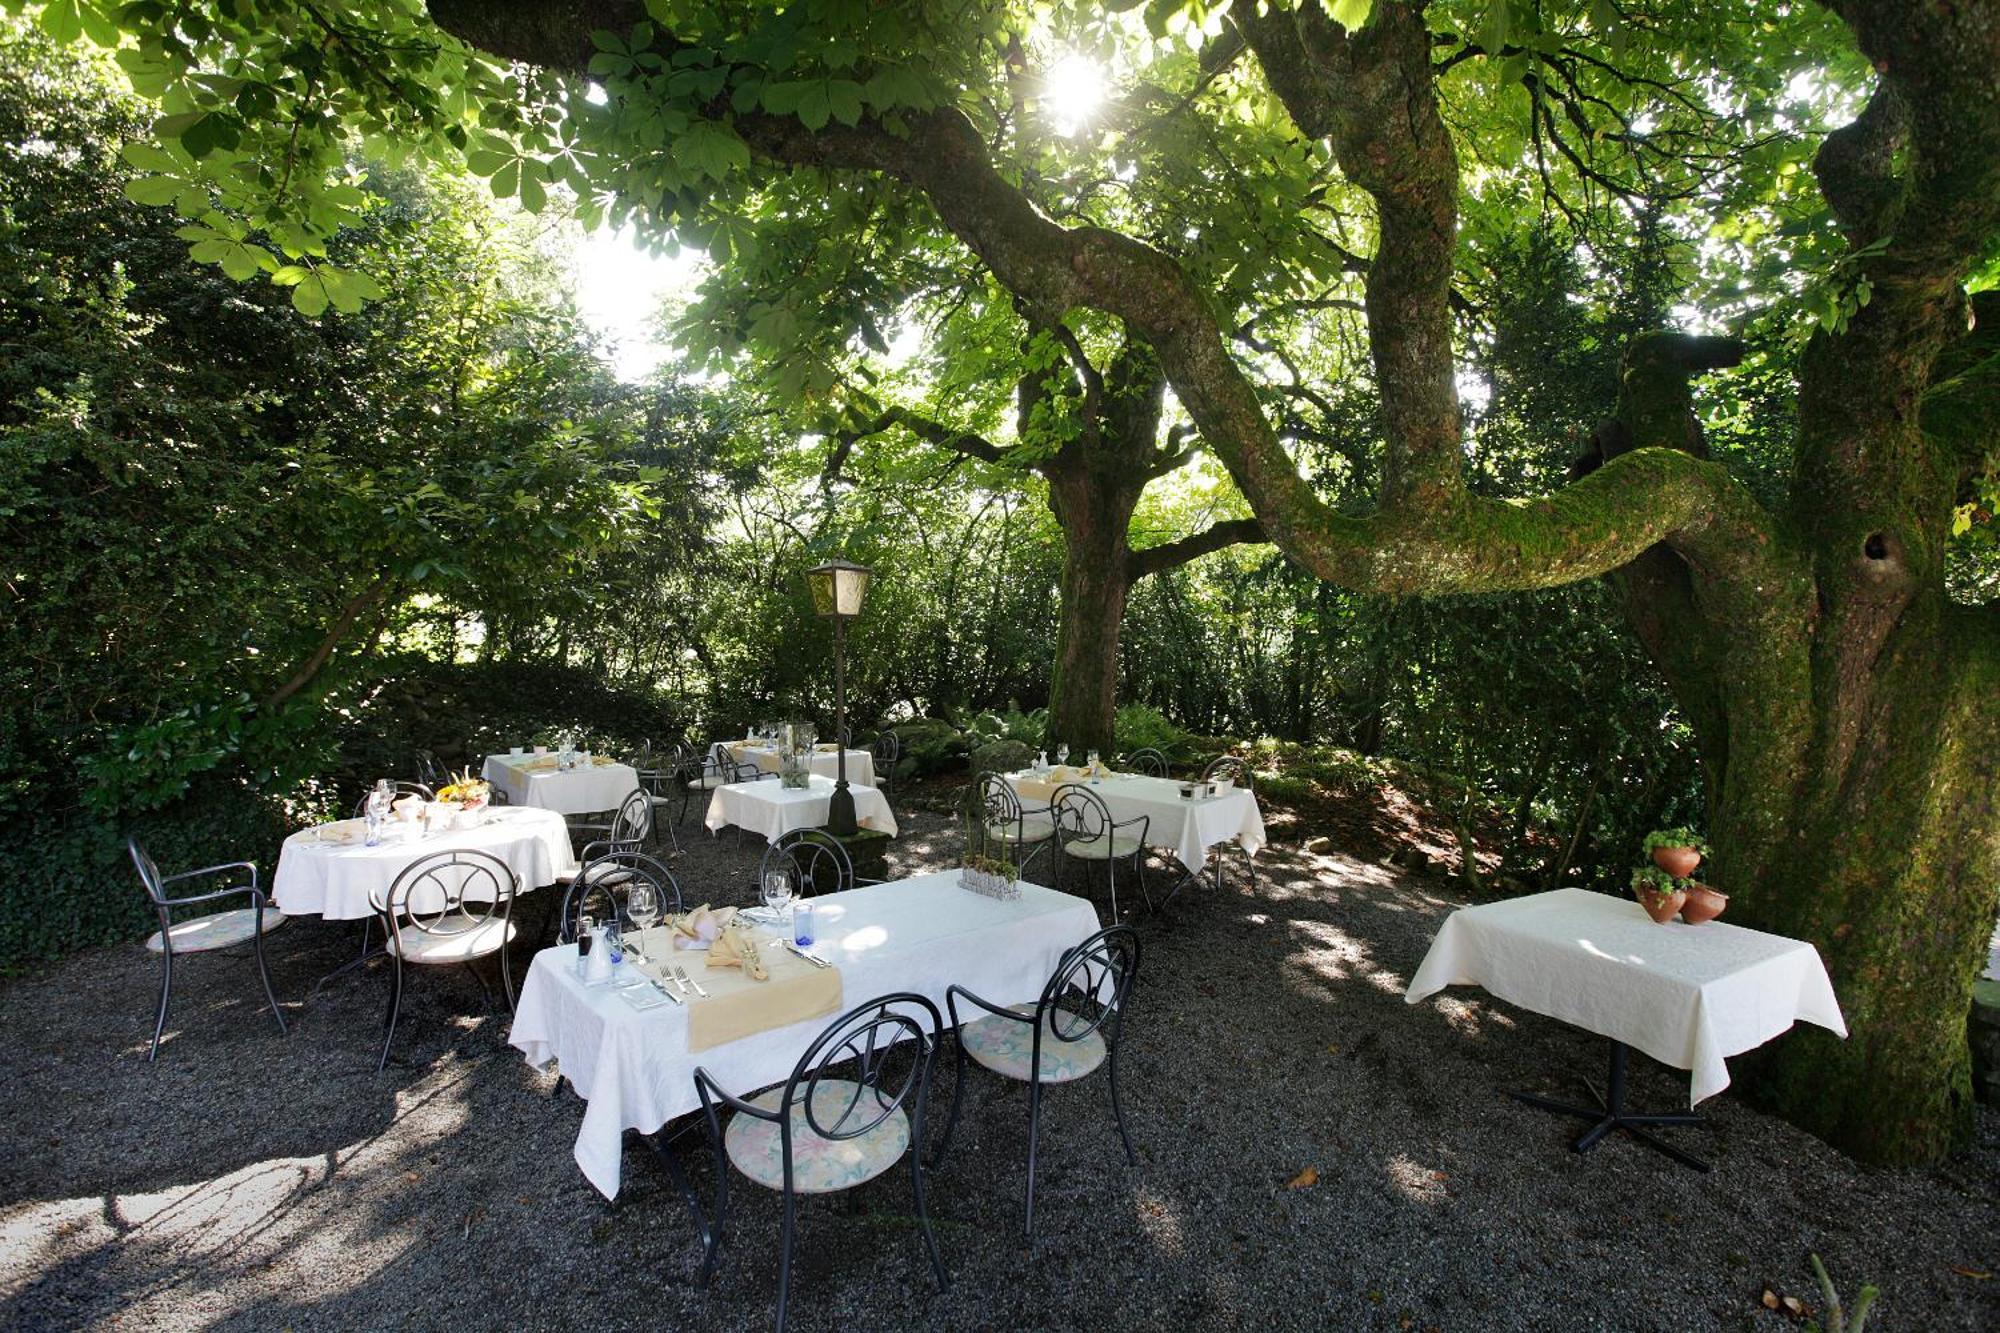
(1073, 90)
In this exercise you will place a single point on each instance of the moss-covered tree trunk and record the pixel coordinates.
(1095, 513)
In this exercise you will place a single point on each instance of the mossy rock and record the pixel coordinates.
(930, 745)
(1002, 757)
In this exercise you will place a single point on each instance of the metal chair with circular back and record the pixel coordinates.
(1147, 760)
(450, 908)
(814, 860)
(431, 770)
(704, 771)
(1233, 769)
(1025, 831)
(1086, 832)
(203, 934)
(660, 783)
(1066, 1034)
(398, 789)
(840, 1120)
(885, 753)
(601, 887)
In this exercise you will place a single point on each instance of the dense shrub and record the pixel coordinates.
(1003, 756)
(930, 745)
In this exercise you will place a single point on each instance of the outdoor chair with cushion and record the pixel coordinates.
(450, 908)
(1086, 833)
(1064, 1036)
(852, 1109)
(203, 934)
(1025, 831)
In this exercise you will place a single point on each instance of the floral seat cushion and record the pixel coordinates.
(819, 1165)
(218, 930)
(1007, 1047)
(1101, 848)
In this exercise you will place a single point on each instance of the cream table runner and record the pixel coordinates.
(737, 1006)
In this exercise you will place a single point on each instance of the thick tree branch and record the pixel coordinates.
(1170, 555)
(968, 443)
(357, 606)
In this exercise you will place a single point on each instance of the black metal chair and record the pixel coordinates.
(1066, 1034)
(451, 908)
(397, 789)
(1025, 831)
(1230, 768)
(844, 734)
(1086, 832)
(601, 887)
(431, 771)
(660, 783)
(703, 772)
(814, 860)
(838, 1121)
(631, 824)
(1148, 760)
(203, 934)
(885, 754)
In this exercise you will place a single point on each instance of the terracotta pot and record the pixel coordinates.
(1703, 904)
(1677, 861)
(1660, 906)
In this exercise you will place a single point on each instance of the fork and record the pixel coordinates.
(681, 975)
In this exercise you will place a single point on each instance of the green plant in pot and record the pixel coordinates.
(1658, 892)
(1675, 850)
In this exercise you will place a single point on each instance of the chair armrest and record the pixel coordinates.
(256, 896)
(705, 1083)
(1143, 821)
(250, 866)
(952, 993)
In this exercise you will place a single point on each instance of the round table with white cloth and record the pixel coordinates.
(335, 879)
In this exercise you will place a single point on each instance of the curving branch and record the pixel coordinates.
(1171, 555)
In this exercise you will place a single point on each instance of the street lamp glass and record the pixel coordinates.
(838, 587)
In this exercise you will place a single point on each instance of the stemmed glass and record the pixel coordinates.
(642, 908)
(777, 896)
(1062, 753)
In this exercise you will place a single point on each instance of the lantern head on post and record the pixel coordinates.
(837, 589)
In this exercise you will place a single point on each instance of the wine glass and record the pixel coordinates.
(777, 895)
(1062, 753)
(642, 907)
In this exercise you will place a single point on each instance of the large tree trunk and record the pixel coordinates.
(1094, 511)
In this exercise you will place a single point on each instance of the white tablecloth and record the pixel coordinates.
(581, 791)
(1686, 995)
(921, 934)
(826, 763)
(1188, 828)
(767, 808)
(334, 881)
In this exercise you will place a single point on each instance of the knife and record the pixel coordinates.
(816, 962)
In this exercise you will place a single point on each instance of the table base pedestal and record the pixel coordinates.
(1610, 1114)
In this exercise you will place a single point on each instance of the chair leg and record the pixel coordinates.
(957, 1102)
(166, 990)
(389, 1019)
(507, 977)
(264, 972)
(924, 1217)
(1118, 1110)
(1034, 1128)
(1139, 864)
(785, 1256)
(714, 1247)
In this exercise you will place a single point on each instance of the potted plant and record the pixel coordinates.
(1658, 892)
(1675, 850)
(1703, 904)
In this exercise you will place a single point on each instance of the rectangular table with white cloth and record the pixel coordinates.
(1187, 826)
(634, 1069)
(1689, 996)
(765, 807)
(533, 779)
(824, 760)
(331, 872)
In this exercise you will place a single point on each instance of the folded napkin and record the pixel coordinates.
(734, 948)
(340, 832)
(736, 1006)
(409, 808)
(826, 747)
(700, 928)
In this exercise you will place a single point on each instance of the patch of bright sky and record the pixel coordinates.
(622, 290)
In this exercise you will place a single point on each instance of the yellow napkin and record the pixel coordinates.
(734, 948)
(827, 747)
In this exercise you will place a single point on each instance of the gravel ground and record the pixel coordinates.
(253, 1181)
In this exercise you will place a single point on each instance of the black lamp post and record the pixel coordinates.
(837, 589)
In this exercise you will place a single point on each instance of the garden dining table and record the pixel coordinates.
(600, 783)
(824, 760)
(634, 1068)
(764, 806)
(1689, 996)
(336, 879)
(1188, 827)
